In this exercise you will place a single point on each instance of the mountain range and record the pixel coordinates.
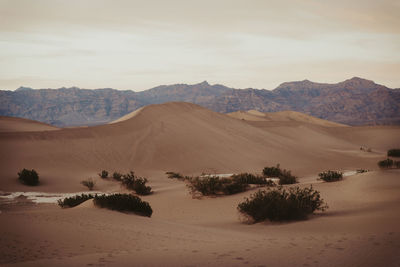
(355, 101)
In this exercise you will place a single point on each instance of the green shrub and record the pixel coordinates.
(138, 184)
(214, 185)
(248, 178)
(272, 171)
(330, 176)
(28, 177)
(117, 176)
(124, 202)
(174, 175)
(285, 176)
(103, 174)
(397, 164)
(282, 205)
(74, 201)
(89, 183)
(386, 163)
(394, 152)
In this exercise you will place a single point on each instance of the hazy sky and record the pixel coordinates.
(141, 44)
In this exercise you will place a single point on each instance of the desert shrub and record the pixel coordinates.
(103, 174)
(214, 185)
(74, 201)
(287, 178)
(330, 176)
(174, 175)
(89, 183)
(386, 163)
(124, 202)
(138, 184)
(248, 178)
(361, 170)
(282, 205)
(272, 171)
(394, 152)
(117, 176)
(28, 177)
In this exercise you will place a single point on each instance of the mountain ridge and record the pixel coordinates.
(355, 101)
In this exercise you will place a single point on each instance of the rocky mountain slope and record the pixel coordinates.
(355, 101)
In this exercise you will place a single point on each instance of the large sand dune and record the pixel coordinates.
(183, 137)
(359, 229)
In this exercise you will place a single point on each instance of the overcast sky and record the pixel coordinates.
(142, 44)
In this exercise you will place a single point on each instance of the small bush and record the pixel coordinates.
(74, 201)
(138, 184)
(28, 177)
(214, 185)
(124, 202)
(174, 175)
(89, 183)
(285, 177)
(282, 205)
(397, 164)
(361, 170)
(272, 171)
(330, 176)
(386, 163)
(117, 176)
(394, 152)
(103, 174)
(248, 178)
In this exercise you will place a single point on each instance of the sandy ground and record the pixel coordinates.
(360, 228)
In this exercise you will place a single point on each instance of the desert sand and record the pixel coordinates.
(360, 228)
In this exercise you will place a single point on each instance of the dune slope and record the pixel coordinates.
(179, 137)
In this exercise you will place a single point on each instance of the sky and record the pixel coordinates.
(138, 45)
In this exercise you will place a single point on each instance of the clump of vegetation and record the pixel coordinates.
(331, 176)
(272, 171)
(394, 152)
(117, 176)
(284, 176)
(361, 170)
(249, 178)
(174, 175)
(214, 185)
(89, 183)
(74, 201)
(28, 177)
(282, 205)
(386, 163)
(124, 202)
(103, 174)
(136, 183)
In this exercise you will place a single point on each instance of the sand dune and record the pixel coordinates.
(186, 138)
(282, 116)
(12, 124)
(359, 229)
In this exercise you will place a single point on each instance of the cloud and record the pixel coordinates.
(140, 44)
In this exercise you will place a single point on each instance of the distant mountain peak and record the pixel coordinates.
(23, 88)
(203, 83)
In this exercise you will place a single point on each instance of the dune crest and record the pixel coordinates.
(283, 116)
(13, 124)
